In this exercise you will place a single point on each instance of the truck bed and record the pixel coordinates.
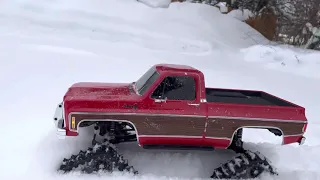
(244, 97)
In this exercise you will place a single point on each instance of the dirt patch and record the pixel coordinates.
(265, 23)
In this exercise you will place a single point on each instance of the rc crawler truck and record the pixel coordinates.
(170, 107)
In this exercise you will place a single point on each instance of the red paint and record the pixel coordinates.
(217, 143)
(195, 141)
(292, 139)
(304, 128)
(111, 97)
(94, 91)
(256, 111)
(170, 140)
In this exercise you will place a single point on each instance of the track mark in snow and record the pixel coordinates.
(286, 59)
(117, 31)
(59, 49)
(175, 45)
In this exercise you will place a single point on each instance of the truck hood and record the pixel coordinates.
(99, 91)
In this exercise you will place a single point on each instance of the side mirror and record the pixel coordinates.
(160, 100)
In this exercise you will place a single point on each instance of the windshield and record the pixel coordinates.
(146, 80)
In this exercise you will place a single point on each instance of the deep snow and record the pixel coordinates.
(48, 45)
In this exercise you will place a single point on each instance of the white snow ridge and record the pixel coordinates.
(45, 46)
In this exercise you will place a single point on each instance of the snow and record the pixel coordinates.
(286, 59)
(48, 45)
(241, 15)
(156, 3)
(222, 7)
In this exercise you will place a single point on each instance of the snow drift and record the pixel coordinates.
(286, 59)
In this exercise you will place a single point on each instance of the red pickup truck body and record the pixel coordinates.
(203, 117)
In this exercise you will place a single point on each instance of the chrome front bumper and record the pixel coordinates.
(302, 140)
(59, 121)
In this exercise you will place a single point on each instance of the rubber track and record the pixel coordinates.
(100, 157)
(246, 165)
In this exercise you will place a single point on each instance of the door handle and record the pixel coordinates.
(194, 104)
(160, 100)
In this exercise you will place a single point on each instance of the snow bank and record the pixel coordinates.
(205, 24)
(217, 28)
(222, 7)
(286, 59)
(156, 3)
(240, 15)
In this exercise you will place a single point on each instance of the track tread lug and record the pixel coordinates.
(243, 166)
(100, 157)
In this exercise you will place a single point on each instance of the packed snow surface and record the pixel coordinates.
(156, 3)
(48, 45)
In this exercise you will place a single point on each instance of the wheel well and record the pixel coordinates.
(89, 122)
(275, 131)
(116, 129)
(86, 123)
(238, 133)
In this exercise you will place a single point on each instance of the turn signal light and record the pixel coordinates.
(73, 123)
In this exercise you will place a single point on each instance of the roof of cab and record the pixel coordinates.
(175, 67)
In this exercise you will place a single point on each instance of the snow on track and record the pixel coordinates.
(48, 45)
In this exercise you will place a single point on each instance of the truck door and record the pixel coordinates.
(181, 117)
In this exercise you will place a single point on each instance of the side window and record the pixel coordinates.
(176, 88)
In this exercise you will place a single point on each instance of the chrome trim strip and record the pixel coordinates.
(205, 126)
(173, 115)
(171, 136)
(256, 119)
(301, 134)
(136, 114)
(64, 115)
(212, 137)
(198, 116)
